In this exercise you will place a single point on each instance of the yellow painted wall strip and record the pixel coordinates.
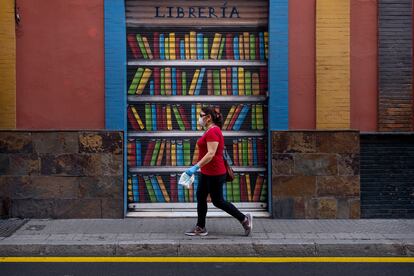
(333, 64)
(7, 65)
(210, 259)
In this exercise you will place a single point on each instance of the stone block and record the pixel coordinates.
(327, 208)
(101, 187)
(283, 208)
(15, 142)
(282, 164)
(65, 164)
(348, 164)
(101, 142)
(343, 208)
(340, 186)
(112, 208)
(293, 142)
(315, 164)
(44, 187)
(33, 208)
(337, 142)
(24, 164)
(4, 164)
(299, 208)
(293, 186)
(311, 208)
(55, 142)
(104, 164)
(355, 209)
(79, 208)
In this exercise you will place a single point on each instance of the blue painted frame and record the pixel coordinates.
(115, 73)
(278, 80)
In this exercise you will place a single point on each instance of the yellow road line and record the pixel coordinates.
(207, 259)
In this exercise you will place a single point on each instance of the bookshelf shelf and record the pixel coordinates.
(193, 99)
(180, 169)
(192, 63)
(153, 134)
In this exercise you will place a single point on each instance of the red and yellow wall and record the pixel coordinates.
(52, 69)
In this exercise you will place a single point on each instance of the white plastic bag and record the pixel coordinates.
(185, 180)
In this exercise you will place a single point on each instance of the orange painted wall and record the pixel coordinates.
(302, 93)
(364, 65)
(60, 65)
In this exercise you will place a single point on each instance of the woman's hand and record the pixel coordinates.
(192, 170)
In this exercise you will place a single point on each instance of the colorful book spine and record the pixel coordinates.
(156, 45)
(168, 83)
(229, 46)
(173, 153)
(263, 80)
(173, 187)
(148, 116)
(243, 188)
(234, 73)
(255, 161)
(199, 81)
(157, 81)
(169, 117)
(260, 152)
(132, 42)
(178, 118)
(163, 188)
(130, 196)
(177, 48)
(236, 189)
(241, 81)
(245, 152)
(263, 192)
(235, 116)
(258, 188)
(171, 40)
(183, 116)
(167, 48)
(200, 46)
(240, 151)
(248, 83)
(248, 188)
(246, 45)
(194, 82)
(228, 77)
(252, 47)
(198, 110)
(180, 153)
(193, 118)
(154, 116)
(160, 153)
(193, 45)
(135, 190)
(151, 88)
(205, 50)
(179, 82)
(147, 47)
(182, 49)
(187, 152)
(141, 46)
(162, 80)
(266, 39)
(184, 83)
(138, 154)
(162, 47)
(255, 84)
(229, 116)
(223, 77)
(155, 153)
(157, 189)
(187, 46)
(210, 82)
(235, 153)
(174, 80)
(259, 117)
(236, 48)
(141, 189)
(131, 157)
(132, 120)
(135, 81)
(150, 188)
(168, 153)
(143, 81)
(250, 152)
(221, 50)
(181, 193)
(241, 47)
(261, 46)
(216, 82)
(215, 48)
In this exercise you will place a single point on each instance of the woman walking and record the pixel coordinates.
(213, 173)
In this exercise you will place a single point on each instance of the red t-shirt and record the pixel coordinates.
(216, 165)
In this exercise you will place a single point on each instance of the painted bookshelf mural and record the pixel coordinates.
(173, 71)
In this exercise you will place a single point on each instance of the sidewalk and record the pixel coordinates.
(164, 237)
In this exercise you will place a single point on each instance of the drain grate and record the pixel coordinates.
(9, 226)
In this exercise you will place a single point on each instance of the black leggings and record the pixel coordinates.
(213, 185)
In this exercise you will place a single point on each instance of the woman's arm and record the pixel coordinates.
(211, 151)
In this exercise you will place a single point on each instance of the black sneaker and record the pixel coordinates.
(197, 231)
(248, 224)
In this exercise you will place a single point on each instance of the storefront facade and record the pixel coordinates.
(304, 72)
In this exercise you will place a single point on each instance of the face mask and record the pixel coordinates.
(201, 122)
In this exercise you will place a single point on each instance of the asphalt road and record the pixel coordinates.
(211, 269)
